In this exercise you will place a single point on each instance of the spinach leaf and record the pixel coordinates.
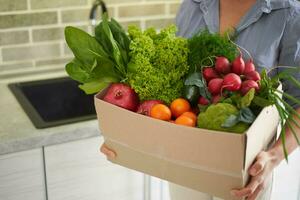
(245, 115)
(93, 87)
(197, 79)
(119, 34)
(85, 47)
(114, 51)
(76, 72)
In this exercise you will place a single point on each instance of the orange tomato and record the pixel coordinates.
(191, 115)
(185, 121)
(180, 106)
(161, 111)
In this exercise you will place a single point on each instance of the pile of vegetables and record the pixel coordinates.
(203, 81)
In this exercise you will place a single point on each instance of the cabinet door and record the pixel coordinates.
(159, 189)
(78, 171)
(22, 176)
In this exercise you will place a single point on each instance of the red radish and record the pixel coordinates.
(222, 65)
(247, 85)
(146, 106)
(210, 73)
(232, 82)
(238, 65)
(203, 101)
(254, 75)
(216, 99)
(249, 67)
(215, 85)
(122, 95)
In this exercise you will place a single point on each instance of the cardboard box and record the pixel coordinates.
(208, 161)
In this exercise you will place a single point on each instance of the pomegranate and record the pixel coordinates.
(210, 73)
(222, 65)
(249, 67)
(122, 95)
(254, 75)
(232, 82)
(215, 85)
(146, 106)
(247, 85)
(238, 65)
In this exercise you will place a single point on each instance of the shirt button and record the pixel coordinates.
(266, 10)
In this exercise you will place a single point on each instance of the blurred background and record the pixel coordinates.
(52, 157)
(32, 39)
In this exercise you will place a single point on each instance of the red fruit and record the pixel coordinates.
(215, 85)
(216, 99)
(254, 75)
(146, 106)
(238, 65)
(222, 65)
(247, 85)
(203, 101)
(122, 95)
(232, 82)
(249, 67)
(210, 73)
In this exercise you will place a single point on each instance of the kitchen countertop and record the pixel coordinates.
(17, 133)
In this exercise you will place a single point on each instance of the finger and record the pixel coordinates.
(259, 164)
(108, 152)
(249, 189)
(256, 192)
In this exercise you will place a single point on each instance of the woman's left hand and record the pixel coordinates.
(260, 171)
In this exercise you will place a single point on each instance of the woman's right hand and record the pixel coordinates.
(110, 154)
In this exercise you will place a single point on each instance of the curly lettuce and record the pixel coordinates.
(158, 63)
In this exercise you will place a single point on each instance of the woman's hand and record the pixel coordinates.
(260, 171)
(110, 154)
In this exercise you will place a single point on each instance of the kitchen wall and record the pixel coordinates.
(31, 31)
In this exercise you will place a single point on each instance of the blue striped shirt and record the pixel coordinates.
(270, 31)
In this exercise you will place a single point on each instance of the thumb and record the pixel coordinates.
(259, 164)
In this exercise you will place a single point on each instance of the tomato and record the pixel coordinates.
(191, 115)
(161, 111)
(180, 106)
(185, 121)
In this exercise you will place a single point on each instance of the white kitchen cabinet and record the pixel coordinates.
(22, 176)
(159, 189)
(77, 171)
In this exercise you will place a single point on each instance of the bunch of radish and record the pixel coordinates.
(238, 76)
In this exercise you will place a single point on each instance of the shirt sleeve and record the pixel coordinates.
(290, 54)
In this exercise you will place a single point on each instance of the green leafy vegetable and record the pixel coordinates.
(205, 46)
(158, 63)
(98, 60)
(270, 95)
(247, 99)
(196, 79)
(216, 115)
(245, 115)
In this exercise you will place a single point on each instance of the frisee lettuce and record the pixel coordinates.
(158, 63)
